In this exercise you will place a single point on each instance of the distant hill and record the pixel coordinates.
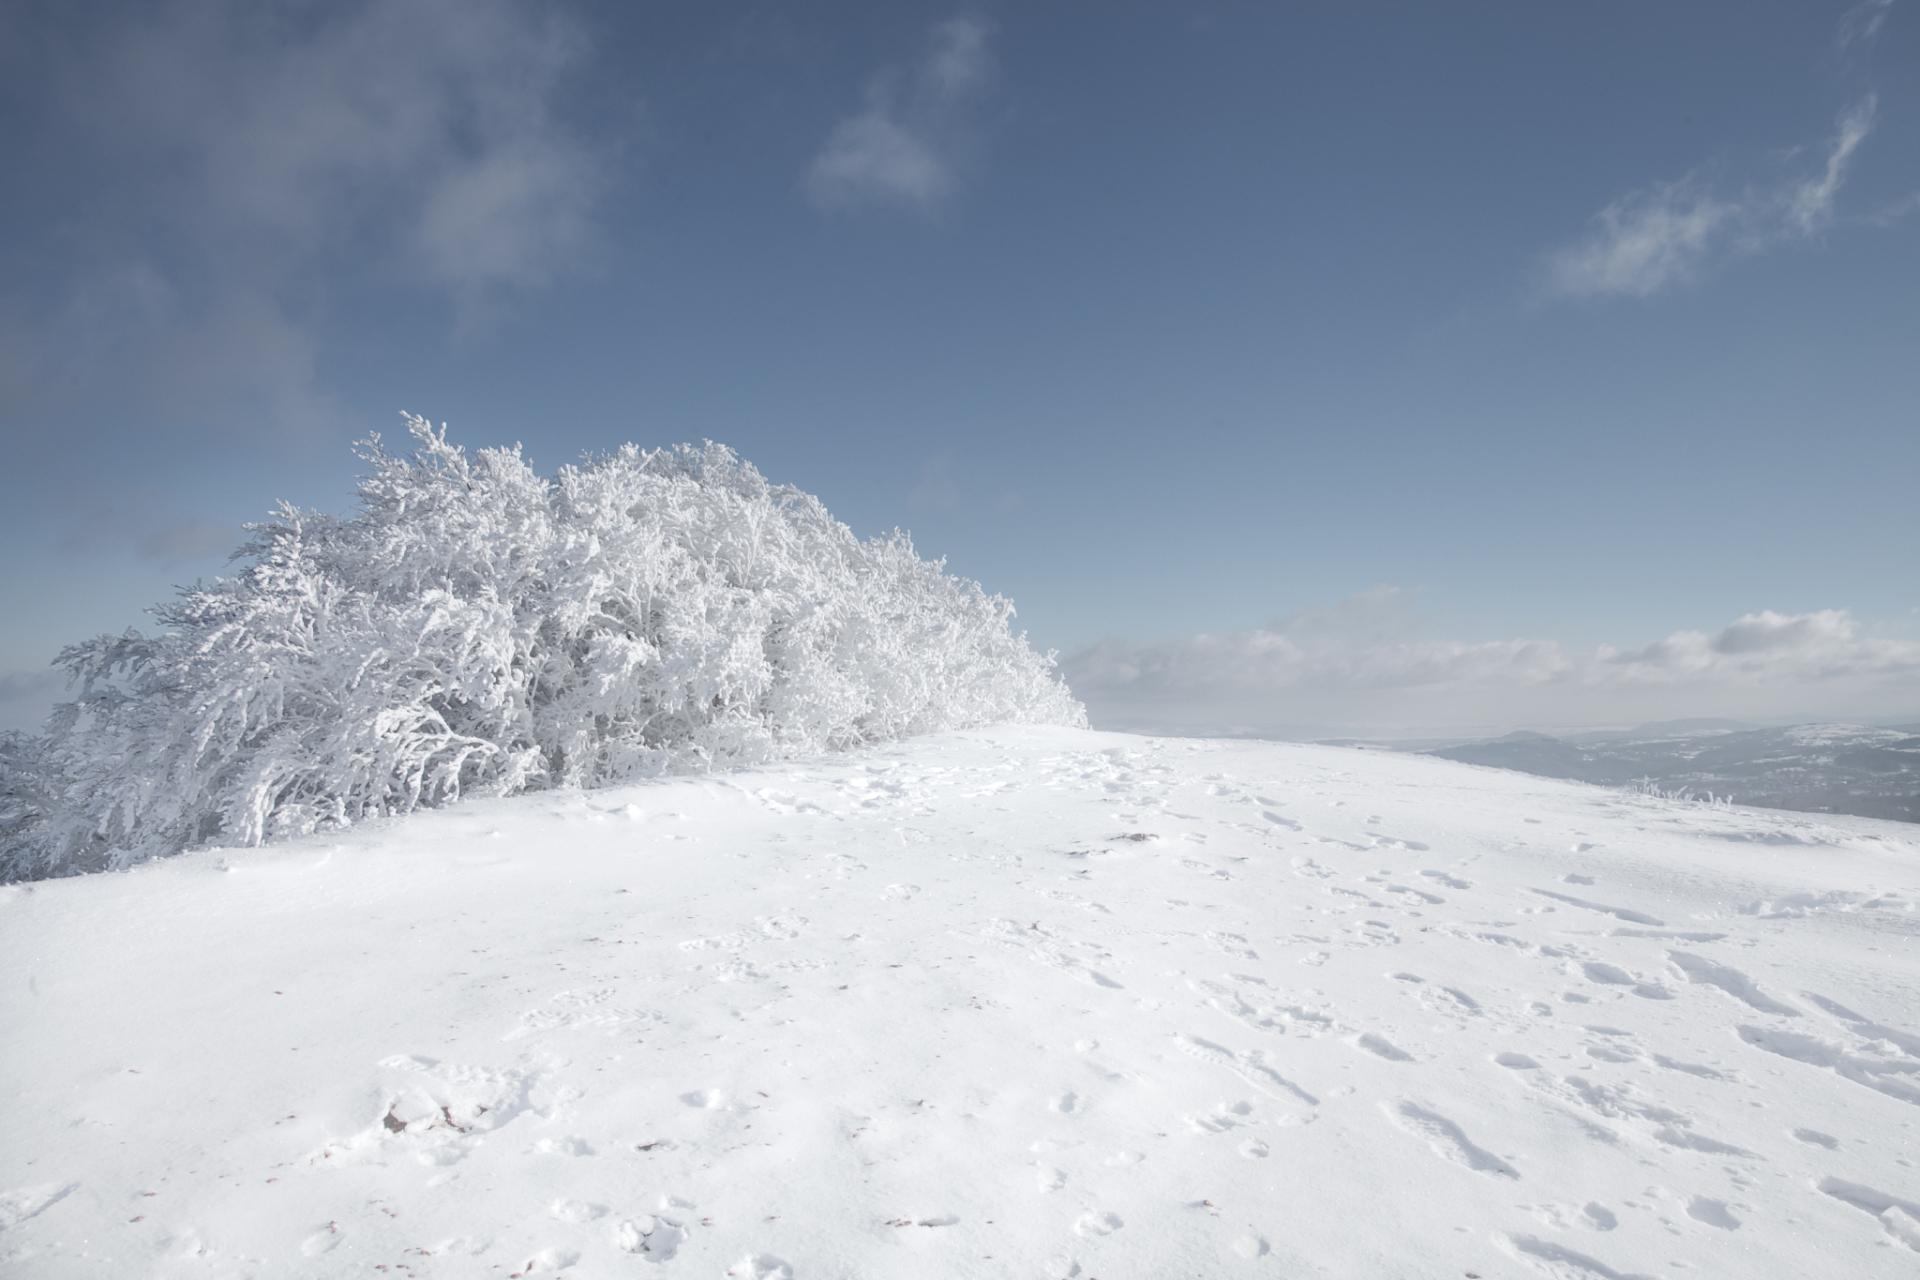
(1538, 754)
(1815, 768)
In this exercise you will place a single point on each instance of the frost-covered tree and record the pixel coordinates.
(477, 629)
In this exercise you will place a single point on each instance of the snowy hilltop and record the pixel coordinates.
(997, 1004)
(478, 629)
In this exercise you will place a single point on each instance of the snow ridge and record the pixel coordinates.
(996, 1004)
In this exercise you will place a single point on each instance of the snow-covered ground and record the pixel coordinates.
(1006, 1003)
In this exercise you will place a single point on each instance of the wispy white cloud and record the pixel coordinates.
(245, 159)
(906, 146)
(424, 129)
(1862, 22)
(1666, 234)
(1892, 213)
(1808, 204)
(1359, 665)
(1644, 242)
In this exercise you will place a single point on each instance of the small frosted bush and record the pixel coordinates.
(478, 629)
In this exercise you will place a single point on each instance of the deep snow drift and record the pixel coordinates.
(1000, 1003)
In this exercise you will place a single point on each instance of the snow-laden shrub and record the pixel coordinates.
(476, 628)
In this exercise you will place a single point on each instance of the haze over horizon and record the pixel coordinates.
(1362, 367)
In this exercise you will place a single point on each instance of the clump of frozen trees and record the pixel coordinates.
(476, 628)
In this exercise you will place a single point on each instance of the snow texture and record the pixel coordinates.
(1006, 1002)
(478, 629)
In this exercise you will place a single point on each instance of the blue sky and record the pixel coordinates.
(1293, 367)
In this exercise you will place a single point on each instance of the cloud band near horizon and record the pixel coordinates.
(1354, 669)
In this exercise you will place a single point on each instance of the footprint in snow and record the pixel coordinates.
(1879, 1065)
(323, 1241)
(1704, 972)
(1619, 913)
(1866, 1028)
(1447, 1140)
(1795, 906)
(436, 1112)
(579, 1009)
(1097, 1224)
(760, 1266)
(570, 1145)
(555, 1259)
(782, 928)
(653, 1238)
(1594, 1216)
(1053, 959)
(1443, 1000)
(18, 1205)
(1233, 944)
(1381, 1047)
(1559, 1261)
(1372, 933)
(1249, 1066)
(1224, 1117)
(1712, 1212)
(1899, 1218)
